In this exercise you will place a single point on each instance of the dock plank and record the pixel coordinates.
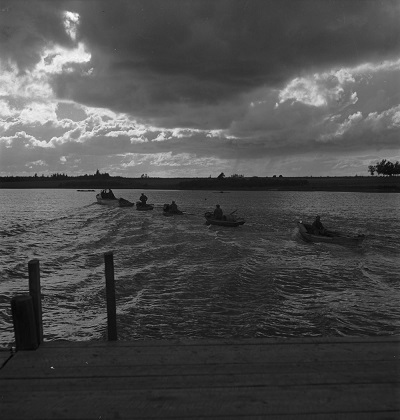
(283, 378)
(231, 353)
(180, 379)
(264, 373)
(212, 402)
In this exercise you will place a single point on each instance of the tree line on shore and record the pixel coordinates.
(56, 177)
(385, 167)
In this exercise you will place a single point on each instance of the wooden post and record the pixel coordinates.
(24, 323)
(34, 291)
(110, 297)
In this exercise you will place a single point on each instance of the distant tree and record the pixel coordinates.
(221, 176)
(371, 169)
(380, 167)
(385, 167)
(236, 176)
(397, 168)
(389, 168)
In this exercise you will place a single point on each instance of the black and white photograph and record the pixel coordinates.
(200, 209)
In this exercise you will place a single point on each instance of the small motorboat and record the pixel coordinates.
(230, 220)
(144, 207)
(107, 197)
(167, 211)
(330, 237)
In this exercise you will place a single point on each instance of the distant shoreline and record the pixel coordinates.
(338, 184)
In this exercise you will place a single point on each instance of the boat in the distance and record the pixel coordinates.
(144, 207)
(229, 220)
(107, 197)
(167, 211)
(331, 237)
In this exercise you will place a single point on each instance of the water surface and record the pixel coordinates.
(178, 278)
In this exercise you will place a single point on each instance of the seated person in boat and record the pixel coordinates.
(107, 194)
(218, 213)
(317, 227)
(143, 199)
(173, 207)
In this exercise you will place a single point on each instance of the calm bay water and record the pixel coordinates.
(178, 278)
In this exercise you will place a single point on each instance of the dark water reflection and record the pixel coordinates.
(176, 277)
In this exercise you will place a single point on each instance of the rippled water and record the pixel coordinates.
(177, 277)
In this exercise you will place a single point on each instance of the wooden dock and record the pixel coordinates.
(324, 378)
(304, 378)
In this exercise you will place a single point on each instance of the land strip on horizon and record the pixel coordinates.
(350, 184)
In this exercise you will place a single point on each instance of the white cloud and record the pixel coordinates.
(71, 22)
(321, 89)
(40, 112)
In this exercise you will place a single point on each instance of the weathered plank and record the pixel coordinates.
(266, 373)
(176, 377)
(234, 353)
(213, 402)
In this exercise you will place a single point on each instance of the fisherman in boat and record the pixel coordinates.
(107, 194)
(173, 207)
(218, 213)
(143, 199)
(317, 227)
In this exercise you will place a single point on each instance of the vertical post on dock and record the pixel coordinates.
(110, 297)
(34, 291)
(24, 323)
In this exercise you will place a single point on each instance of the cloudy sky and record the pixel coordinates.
(182, 88)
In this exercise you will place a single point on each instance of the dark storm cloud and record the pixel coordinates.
(151, 57)
(203, 53)
(243, 43)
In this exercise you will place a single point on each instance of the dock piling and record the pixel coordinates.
(26, 337)
(110, 297)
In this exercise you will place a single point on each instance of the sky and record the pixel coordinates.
(193, 88)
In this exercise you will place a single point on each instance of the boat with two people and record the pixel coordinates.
(309, 233)
(171, 209)
(107, 197)
(217, 218)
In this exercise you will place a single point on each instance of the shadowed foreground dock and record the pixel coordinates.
(325, 378)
